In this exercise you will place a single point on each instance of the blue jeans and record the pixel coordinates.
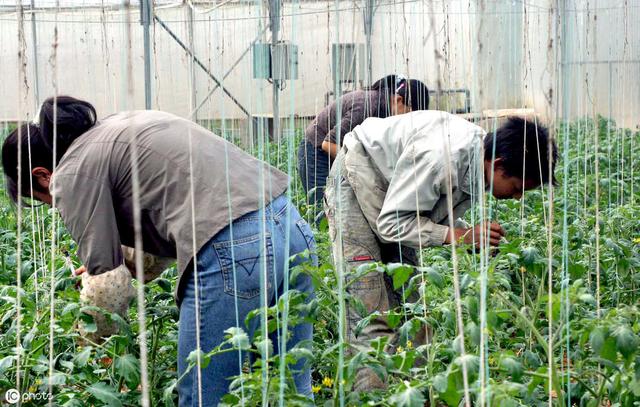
(313, 168)
(240, 269)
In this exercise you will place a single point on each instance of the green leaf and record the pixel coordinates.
(355, 363)
(440, 383)
(537, 379)
(167, 394)
(364, 322)
(626, 340)
(587, 299)
(409, 397)
(238, 338)
(88, 322)
(129, 368)
(72, 306)
(608, 350)
(532, 359)
(82, 358)
(5, 363)
(409, 329)
(105, 394)
(58, 379)
(453, 392)
(472, 306)
(513, 366)
(400, 273)
(358, 306)
(435, 277)
(198, 354)
(471, 362)
(265, 347)
(164, 284)
(530, 255)
(473, 332)
(393, 319)
(596, 339)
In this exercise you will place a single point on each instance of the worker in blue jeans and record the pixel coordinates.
(169, 188)
(255, 249)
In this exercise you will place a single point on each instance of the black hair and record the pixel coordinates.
(65, 117)
(523, 145)
(414, 93)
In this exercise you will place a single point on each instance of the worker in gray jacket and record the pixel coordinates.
(388, 96)
(390, 185)
(165, 185)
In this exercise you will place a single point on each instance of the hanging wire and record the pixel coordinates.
(21, 81)
(54, 219)
(137, 226)
(454, 253)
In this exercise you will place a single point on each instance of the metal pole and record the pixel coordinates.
(368, 31)
(201, 65)
(276, 65)
(192, 70)
(146, 12)
(34, 40)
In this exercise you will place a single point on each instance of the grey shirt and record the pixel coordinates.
(406, 157)
(355, 107)
(93, 187)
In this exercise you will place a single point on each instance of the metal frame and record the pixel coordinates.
(200, 64)
(274, 25)
(467, 97)
(34, 39)
(146, 11)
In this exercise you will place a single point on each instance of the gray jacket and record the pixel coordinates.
(398, 169)
(355, 107)
(177, 161)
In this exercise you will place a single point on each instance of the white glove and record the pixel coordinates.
(111, 291)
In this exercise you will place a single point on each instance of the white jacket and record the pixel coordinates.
(409, 154)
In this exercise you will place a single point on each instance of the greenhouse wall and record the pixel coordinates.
(502, 55)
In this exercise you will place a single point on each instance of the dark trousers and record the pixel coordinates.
(313, 168)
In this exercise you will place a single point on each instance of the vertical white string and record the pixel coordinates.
(340, 266)
(454, 253)
(54, 219)
(196, 282)
(21, 81)
(137, 221)
(552, 59)
(33, 214)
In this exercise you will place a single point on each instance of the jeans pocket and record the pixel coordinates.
(244, 263)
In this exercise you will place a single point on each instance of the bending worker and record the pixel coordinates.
(232, 229)
(388, 96)
(389, 185)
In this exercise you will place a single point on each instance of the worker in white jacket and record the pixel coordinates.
(389, 186)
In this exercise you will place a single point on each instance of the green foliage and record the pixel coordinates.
(594, 358)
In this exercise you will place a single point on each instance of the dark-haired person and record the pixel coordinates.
(197, 194)
(389, 96)
(390, 183)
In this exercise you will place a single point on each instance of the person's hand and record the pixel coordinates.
(330, 148)
(78, 273)
(493, 232)
(80, 270)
